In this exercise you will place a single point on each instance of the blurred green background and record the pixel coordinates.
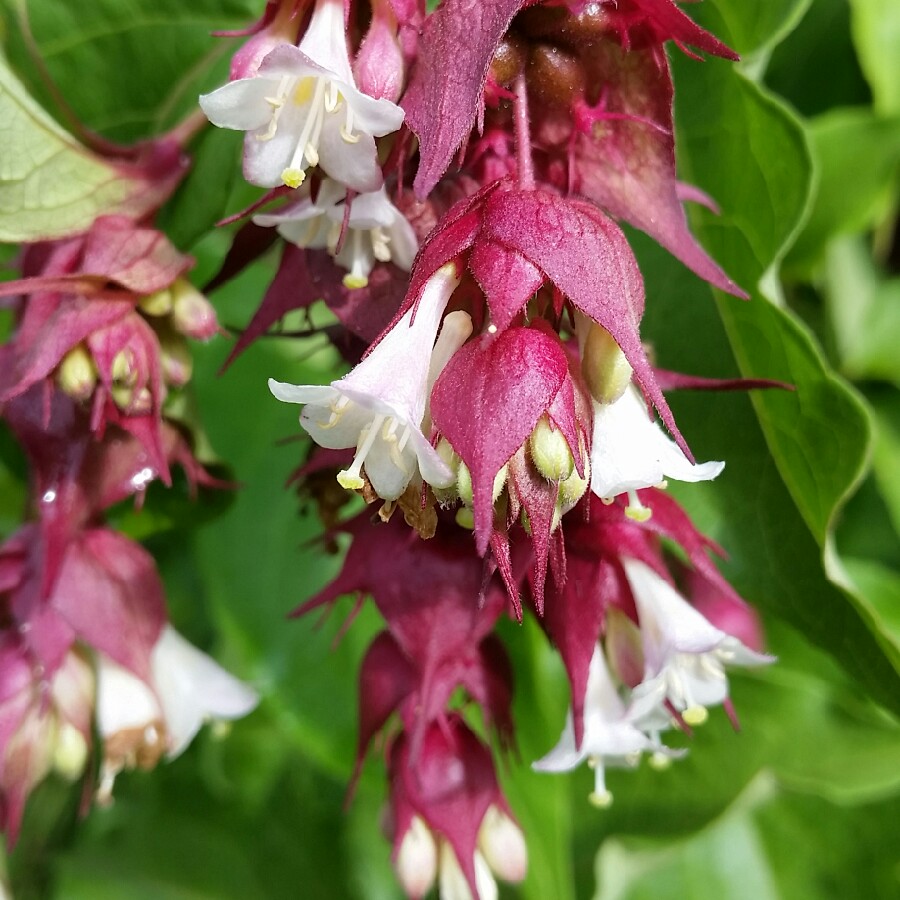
(800, 145)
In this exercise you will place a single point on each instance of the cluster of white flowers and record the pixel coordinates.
(301, 109)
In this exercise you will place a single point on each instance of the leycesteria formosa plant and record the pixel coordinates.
(451, 183)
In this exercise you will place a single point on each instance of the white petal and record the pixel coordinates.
(353, 164)
(339, 435)
(665, 616)
(194, 688)
(372, 210)
(630, 451)
(240, 105)
(388, 478)
(123, 700)
(563, 757)
(403, 242)
(303, 393)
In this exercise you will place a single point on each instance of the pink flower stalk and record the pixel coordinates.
(302, 108)
(439, 613)
(106, 316)
(450, 820)
(380, 406)
(375, 229)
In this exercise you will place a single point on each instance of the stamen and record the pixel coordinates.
(636, 511)
(351, 478)
(600, 796)
(277, 104)
(347, 128)
(381, 249)
(356, 277)
(695, 715)
(333, 99)
(294, 174)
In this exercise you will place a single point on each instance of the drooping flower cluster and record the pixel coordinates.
(102, 320)
(501, 397)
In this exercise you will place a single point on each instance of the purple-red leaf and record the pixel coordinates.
(587, 257)
(446, 91)
(110, 593)
(507, 279)
(488, 400)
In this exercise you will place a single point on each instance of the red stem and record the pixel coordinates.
(523, 136)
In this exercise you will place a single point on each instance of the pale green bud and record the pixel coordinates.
(192, 313)
(123, 371)
(176, 360)
(604, 366)
(464, 484)
(446, 452)
(70, 753)
(77, 374)
(550, 451)
(157, 304)
(573, 488)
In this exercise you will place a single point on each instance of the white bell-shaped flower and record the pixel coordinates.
(376, 229)
(303, 109)
(380, 405)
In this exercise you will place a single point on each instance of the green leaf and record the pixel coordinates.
(770, 844)
(51, 186)
(202, 198)
(725, 862)
(131, 68)
(857, 158)
(752, 29)
(876, 33)
(819, 435)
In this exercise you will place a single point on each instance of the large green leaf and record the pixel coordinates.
(769, 845)
(858, 162)
(130, 68)
(819, 435)
(51, 186)
(876, 33)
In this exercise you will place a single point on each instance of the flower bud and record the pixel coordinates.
(132, 400)
(416, 862)
(464, 484)
(157, 304)
(192, 314)
(465, 518)
(70, 753)
(603, 365)
(550, 451)
(175, 358)
(573, 488)
(502, 844)
(123, 371)
(446, 452)
(77, 374)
